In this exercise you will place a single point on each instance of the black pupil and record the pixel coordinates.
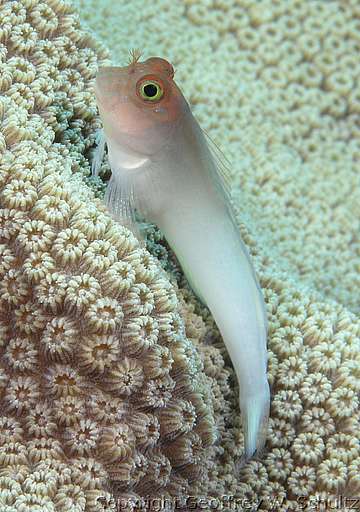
(150, 90)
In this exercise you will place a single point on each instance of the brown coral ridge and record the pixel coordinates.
(98, 382)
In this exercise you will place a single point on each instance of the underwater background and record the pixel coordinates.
(114, 380)
(277, 85)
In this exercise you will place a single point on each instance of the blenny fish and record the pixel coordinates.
(164, 167)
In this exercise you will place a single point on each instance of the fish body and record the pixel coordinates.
(162, 167)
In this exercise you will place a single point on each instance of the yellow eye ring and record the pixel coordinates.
(151, 90)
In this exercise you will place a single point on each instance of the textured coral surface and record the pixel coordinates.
(115, 382)
(276, 84)
(100, 389)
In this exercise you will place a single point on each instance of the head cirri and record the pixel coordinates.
(140, 104)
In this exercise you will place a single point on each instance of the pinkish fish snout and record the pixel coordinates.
(110, 83)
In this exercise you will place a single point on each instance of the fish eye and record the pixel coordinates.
(150, 90)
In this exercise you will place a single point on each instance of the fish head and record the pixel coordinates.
(140, 104)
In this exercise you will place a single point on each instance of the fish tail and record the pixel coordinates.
(255, 415)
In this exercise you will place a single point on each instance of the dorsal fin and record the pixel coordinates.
(222, 164)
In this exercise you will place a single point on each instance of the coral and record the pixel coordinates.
(275, 83)
(312, 447)
(89, 324)
(116, 384)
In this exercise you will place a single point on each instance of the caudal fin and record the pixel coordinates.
(255, 416)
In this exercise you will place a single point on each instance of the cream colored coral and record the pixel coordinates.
(88, 322)
(275, 84)
(266, 78)
(79, 289)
